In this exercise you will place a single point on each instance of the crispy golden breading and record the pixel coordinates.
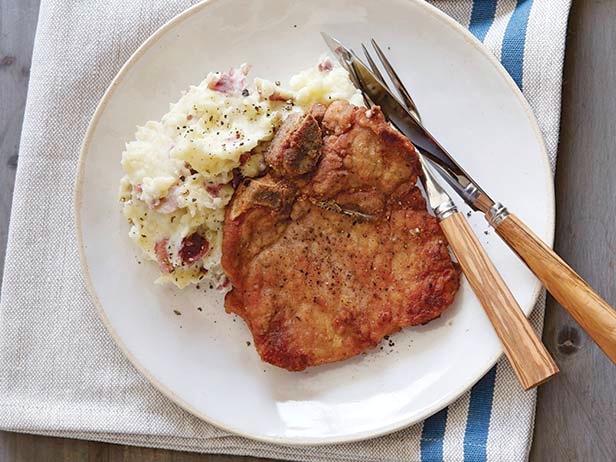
(326, 264)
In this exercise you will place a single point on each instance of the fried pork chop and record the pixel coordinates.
(333, 248)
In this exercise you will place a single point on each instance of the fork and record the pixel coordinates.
(530, 359)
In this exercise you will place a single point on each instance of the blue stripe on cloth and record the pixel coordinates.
(482, 17)
(512, 53)
(432, 436)
(478, 420)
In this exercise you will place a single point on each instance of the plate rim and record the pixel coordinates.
(169, 393)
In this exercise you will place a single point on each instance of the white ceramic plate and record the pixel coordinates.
(201, 359)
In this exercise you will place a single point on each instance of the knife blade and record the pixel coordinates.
(412, 128)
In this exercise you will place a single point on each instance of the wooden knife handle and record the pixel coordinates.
(591, 312)
(531, 361)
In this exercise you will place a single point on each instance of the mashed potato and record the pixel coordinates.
(323, 84)
(180, 172)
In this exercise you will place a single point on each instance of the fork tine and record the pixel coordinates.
(406, 97)
(375, 69)
(357, 83)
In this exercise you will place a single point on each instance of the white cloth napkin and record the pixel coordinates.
(60, 373)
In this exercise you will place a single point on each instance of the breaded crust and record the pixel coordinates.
(327, 263)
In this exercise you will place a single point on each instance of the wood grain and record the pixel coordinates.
(17, 24)
(531, 361)
(576, 412)
(15, 447)
(590, 311)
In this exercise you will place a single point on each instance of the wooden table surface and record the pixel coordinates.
(576, 412)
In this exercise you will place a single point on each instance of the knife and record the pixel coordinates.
(529, 358)
(591, 311)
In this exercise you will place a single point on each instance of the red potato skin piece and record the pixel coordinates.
(194, 247)
(160, 249)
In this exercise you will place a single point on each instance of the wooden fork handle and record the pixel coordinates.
(531, 361)
(590, 311)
